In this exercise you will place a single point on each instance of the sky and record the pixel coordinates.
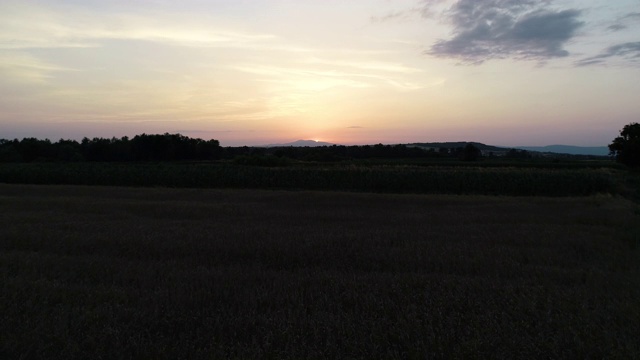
(255, 72)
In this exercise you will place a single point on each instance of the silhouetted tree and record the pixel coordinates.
(171, 147)
(32, 149)
(470, 153)
(67, 150)
(9, 151)
(626, 147)
(97, 149)
(167, 147)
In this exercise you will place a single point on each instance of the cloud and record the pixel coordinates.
(396, 15)
(617, 27)
(499, 29)
(368, 65)
(629, 51)
(622, 22)
(25, 68)
(633, 16)
(427, 9)
(365, 75)
(430, 7)
(24, 26)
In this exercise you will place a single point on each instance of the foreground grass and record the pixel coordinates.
(91, 272)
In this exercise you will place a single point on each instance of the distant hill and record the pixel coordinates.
(555, 149)
(567, 149)
(301, 143)
(459, 144)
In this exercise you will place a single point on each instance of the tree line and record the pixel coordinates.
(165, 147)
(176, 147)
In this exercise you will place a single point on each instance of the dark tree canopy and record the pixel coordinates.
(626, 147)
(165, 147)
(470, 153)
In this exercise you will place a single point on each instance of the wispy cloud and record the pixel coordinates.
(499, 29)
(426, 9)
(302, 79)
(315, 79)
(623, 22)
(29, 26)
(368, 65)
(395, 15)
(25, 68)
(429, 8)
(629, 51)
(399, 15)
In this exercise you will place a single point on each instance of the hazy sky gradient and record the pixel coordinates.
(502, 72)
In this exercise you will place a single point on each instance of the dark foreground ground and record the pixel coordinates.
(117, 273)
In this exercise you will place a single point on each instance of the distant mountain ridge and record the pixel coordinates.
(557, 149)
(301, 143)
(568, 149)
(459, 144)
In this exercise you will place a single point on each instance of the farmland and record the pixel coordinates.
(121, 272)
(501, 178)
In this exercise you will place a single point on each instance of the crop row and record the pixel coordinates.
(389, 179)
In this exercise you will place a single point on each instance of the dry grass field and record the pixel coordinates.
(118, 273)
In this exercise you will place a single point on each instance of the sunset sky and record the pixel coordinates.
(251, 72)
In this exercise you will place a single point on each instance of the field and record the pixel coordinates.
(116, 272)
(432, 177)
